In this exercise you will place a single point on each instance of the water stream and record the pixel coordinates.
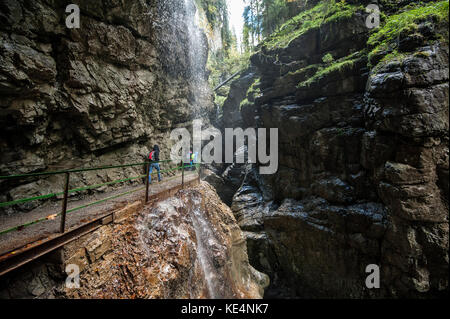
(205, 241)
(198, 55)
(204, 235)
(164, 230)
(168, 222)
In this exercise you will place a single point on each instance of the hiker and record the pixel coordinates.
(192, 160)
(154, 163)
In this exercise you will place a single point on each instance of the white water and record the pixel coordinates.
(197, 49)
(161, 224)
(206, 240)
(164, 227)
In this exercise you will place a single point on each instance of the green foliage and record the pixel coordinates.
(253, 92)
(405, 22)
(275, 23)
(394, 56)
(422, 54)
(327, 58)
(324, 12)
(225, 61)
(223, 66)
(263, 17)
(244, 103)
(220, 100)
(312, 68)
(216, 12)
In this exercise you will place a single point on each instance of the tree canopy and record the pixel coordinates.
(263, 17)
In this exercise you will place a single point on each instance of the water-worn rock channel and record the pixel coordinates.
(188, 246)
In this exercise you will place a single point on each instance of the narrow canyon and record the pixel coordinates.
(362, 115)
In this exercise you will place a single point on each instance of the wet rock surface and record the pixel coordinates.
(238, 91)
(101, 94)
(188, 246)
(309, 247)
(363, 167)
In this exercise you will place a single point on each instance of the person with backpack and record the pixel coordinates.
(193, 160)
(154, 163)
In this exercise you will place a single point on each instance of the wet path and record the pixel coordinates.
(20, 238)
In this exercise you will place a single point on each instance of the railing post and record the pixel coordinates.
(147, 167)
(64, 206)
(199, 171)
(182, 174)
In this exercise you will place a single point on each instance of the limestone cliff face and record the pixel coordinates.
(100, 94)
(363, 175)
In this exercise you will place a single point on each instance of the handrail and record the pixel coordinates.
(51, 195)
(68, 211)
(78, 170)
(227, 80)
(65, 210)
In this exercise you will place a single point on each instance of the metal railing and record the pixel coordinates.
(67, 191)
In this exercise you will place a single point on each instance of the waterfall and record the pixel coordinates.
(180, 25)
(162, 230)
(204, 236)
(157, 227)
(197, 54)
(205, 242)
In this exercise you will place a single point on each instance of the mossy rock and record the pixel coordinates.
(415, 22)
(326, 11)
(336, 67)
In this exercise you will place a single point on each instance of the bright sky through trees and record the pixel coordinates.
(236, 9)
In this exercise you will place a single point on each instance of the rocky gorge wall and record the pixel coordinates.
(363, 145)
(363, 152)
(98, 95)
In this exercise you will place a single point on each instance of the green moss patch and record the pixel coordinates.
(405, 22)
(324, 12)
(337, 66)
(254, 90)
(252, 93)
(244, 103)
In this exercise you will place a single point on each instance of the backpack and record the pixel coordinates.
(151, 156)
